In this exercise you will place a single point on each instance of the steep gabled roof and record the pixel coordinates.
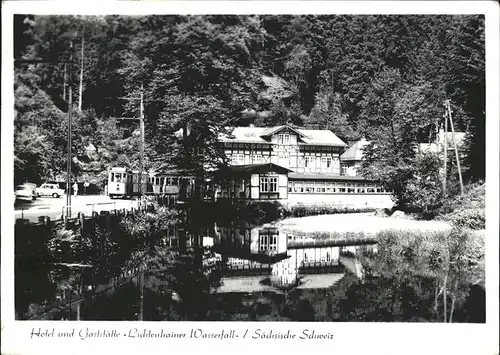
(256, 134)
(271, 130)
(355, 151)
(321, 137)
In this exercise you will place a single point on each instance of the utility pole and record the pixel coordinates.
(141, 142)
(81, 76)
(445, 152)
(455, 147)
(64, 83)
(141, 128)
(141, 300)
(70, 109)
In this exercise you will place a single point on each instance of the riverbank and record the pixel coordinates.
(366, 223)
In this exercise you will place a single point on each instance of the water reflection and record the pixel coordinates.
(267, 250)
(199, 263)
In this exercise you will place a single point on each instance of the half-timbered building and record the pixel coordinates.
(308, 160)
(300, 150)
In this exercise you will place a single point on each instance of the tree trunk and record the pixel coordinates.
(444, 297)
(436, 296)
(453, 300)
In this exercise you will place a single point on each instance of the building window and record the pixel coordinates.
(283, 139)
(309, 188)
(330, 187)
(309, 162)
(237, 159)
(343, 169)
(269, 184)
(320, 187)
(256, 159)
(326, 162)
(298, 187)
(273, 184)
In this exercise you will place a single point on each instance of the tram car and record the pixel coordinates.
(123, 183)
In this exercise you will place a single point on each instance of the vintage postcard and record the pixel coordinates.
(230, 176)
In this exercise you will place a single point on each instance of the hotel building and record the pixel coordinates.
(295, 165)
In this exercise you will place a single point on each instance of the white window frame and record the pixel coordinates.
(309, 161)
(284, 138)
(256, 159)
(267, 183)
(237, 159)
(343, 169)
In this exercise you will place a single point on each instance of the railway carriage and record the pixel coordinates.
(123, 183)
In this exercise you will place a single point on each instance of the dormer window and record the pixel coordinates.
(283, 139)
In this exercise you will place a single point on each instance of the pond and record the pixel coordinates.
(205, 265)
(164, 268)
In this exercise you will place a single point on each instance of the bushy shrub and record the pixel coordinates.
(472, 218)
(303, 210)
(467, 210)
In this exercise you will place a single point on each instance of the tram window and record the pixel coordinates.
(157, 182)
(118, 177)
(370, 190)
(379, 189)
(112, 177)
(162, 181)
(174, 181)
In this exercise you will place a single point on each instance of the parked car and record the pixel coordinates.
(25, 193)
(50, 190)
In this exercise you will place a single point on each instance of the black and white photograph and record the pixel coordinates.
(262, 168)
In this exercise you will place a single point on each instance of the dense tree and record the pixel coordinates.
(400, 112)
(200, 72)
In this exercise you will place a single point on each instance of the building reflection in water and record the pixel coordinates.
(266, 250)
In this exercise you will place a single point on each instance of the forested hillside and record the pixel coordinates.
(382, 77)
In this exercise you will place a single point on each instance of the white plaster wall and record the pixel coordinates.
(344, 200)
